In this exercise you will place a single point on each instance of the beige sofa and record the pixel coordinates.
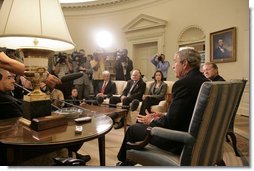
(161, 107)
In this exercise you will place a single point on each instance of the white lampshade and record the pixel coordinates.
(34, 24)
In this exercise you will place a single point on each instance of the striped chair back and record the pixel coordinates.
(211, 118)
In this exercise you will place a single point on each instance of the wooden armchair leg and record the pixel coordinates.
(233, 138)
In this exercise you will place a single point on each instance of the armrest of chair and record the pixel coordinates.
(174, 135)
(140, 144)
(169, 134)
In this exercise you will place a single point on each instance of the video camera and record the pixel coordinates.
(122, 55)
(160, 57)
(78, 57)
(61, 57)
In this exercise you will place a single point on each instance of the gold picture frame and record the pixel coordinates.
(223, 45)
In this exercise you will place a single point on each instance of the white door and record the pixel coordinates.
(142, 54)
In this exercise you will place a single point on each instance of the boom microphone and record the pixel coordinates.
(71, 77)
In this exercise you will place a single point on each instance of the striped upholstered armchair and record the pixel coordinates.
(206, 135)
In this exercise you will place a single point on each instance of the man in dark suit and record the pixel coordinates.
(107, 87)
(134, 89)
(9, 106)
(210, 70)
(184, 92)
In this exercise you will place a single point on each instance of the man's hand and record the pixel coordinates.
(145, 119)
(52, 81)
(122, 98)
(11, 65)
(82, 69)
(156, 115)
(144, 97)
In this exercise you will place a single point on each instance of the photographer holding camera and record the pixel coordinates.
(159, 62)
(81, 64)
(62, 65)
(123, 65)
(61, 68)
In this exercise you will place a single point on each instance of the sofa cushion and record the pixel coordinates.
(120, 85)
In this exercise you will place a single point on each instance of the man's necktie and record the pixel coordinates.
(133, 85)
(103, 87)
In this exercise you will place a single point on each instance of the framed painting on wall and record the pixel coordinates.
(223, 45)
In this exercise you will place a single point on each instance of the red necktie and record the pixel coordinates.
(103, 87)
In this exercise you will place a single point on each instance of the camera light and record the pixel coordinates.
(104, 39)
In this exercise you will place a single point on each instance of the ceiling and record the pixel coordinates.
(86, 3)
(74, 1)
(90, 3)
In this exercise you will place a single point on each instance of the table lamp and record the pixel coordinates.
(38, 29)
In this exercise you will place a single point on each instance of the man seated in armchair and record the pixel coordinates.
(185, 92)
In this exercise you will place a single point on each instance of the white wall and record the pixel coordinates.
(210, 15)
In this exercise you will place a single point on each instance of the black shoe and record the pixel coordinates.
(134, 105)
(118, 125)
(68, 162)
(86, 158)
(119, 163)
(126, 163)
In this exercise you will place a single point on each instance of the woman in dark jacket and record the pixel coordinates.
(156, 93)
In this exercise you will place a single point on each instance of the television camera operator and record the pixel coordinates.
(81, 64)
(61, 68)
(123, 65)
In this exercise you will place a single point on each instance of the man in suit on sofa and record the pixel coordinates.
(134, 89)
(185, 92)
(107, 87)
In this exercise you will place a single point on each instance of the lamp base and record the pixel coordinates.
(35, 109)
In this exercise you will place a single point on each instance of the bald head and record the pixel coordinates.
(136, 75)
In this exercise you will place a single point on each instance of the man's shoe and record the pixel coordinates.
(134, 105)
(126, 163)
(68, 162)
(118, 125)
(119, 164)
(86, 158)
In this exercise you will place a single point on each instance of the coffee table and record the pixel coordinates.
(107, 111)
(16, 138)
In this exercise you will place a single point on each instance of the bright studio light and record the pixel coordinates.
(104, 39)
